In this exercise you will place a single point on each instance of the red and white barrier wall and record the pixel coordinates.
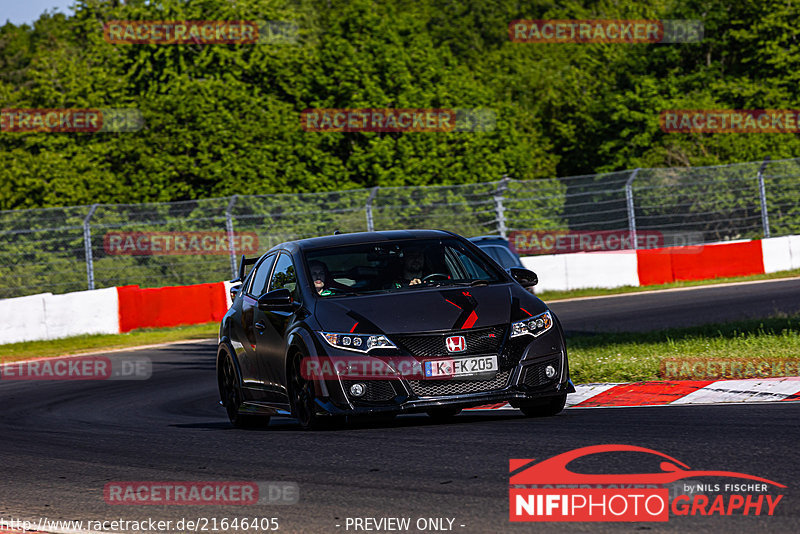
(664, 265)
(122, 309)
(109, 311)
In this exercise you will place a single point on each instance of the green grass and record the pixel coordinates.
(90, 343)
(549, 296)
(626, 357)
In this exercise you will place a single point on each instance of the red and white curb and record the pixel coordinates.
(677, 392)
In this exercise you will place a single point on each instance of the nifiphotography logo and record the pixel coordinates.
(549, 491)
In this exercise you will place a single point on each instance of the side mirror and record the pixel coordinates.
(525, 277)
(234, 291)
(277, 299)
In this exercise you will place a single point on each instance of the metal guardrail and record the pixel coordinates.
(69, 249)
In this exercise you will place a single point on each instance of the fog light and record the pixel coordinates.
(550, 371)
(358, 390)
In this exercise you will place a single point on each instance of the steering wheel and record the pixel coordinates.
(432, 276)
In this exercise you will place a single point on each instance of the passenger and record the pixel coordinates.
(321, 277)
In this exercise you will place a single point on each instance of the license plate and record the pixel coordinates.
(458, 367)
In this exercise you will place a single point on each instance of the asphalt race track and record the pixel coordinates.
(656, 310)
(61, 442)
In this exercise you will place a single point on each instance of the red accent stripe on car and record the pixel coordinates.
(354, 328)
(470, 320)
(454, 304)
(526, 311)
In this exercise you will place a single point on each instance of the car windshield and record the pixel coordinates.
(397, 266)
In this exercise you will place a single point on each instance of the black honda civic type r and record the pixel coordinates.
(383, 323)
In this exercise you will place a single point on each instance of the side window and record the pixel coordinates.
(465, 267)
(258, 282)
(285, 276)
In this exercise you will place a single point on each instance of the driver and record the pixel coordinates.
(413, 267)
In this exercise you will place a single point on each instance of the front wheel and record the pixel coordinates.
(302, 398)
(231, 394)
(545, 407)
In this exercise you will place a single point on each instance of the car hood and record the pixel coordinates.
(428, 310)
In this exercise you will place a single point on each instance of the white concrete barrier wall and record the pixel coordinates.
(228, 287)
(794, 250)
(551, 270)
(22, 319)
(777, 254)
(559, 272)
(48, 316)
(82, 312)
(602, 269)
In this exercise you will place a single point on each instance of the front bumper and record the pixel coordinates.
(426, 403)
(520, 378)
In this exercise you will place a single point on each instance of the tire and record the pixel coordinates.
(544, 408)
(230, 392)
(302, 400)
(443, 414)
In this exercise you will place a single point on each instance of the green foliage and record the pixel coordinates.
(224, 120)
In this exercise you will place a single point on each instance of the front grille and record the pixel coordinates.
(479, 341)
(438, 388)
(535, 376)
(376, 390)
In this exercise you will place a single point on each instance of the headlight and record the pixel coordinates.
(357, 342)
(533, 326)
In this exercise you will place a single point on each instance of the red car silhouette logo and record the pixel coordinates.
(554, 470)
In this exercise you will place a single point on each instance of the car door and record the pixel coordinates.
(271, 326)
(244, 330)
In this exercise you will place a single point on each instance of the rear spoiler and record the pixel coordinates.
(242, 265)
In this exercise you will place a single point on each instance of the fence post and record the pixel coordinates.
(762, 193)
(631, 213)
(498, 205)
(229, 228)
(370, 222)
(87, 247)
